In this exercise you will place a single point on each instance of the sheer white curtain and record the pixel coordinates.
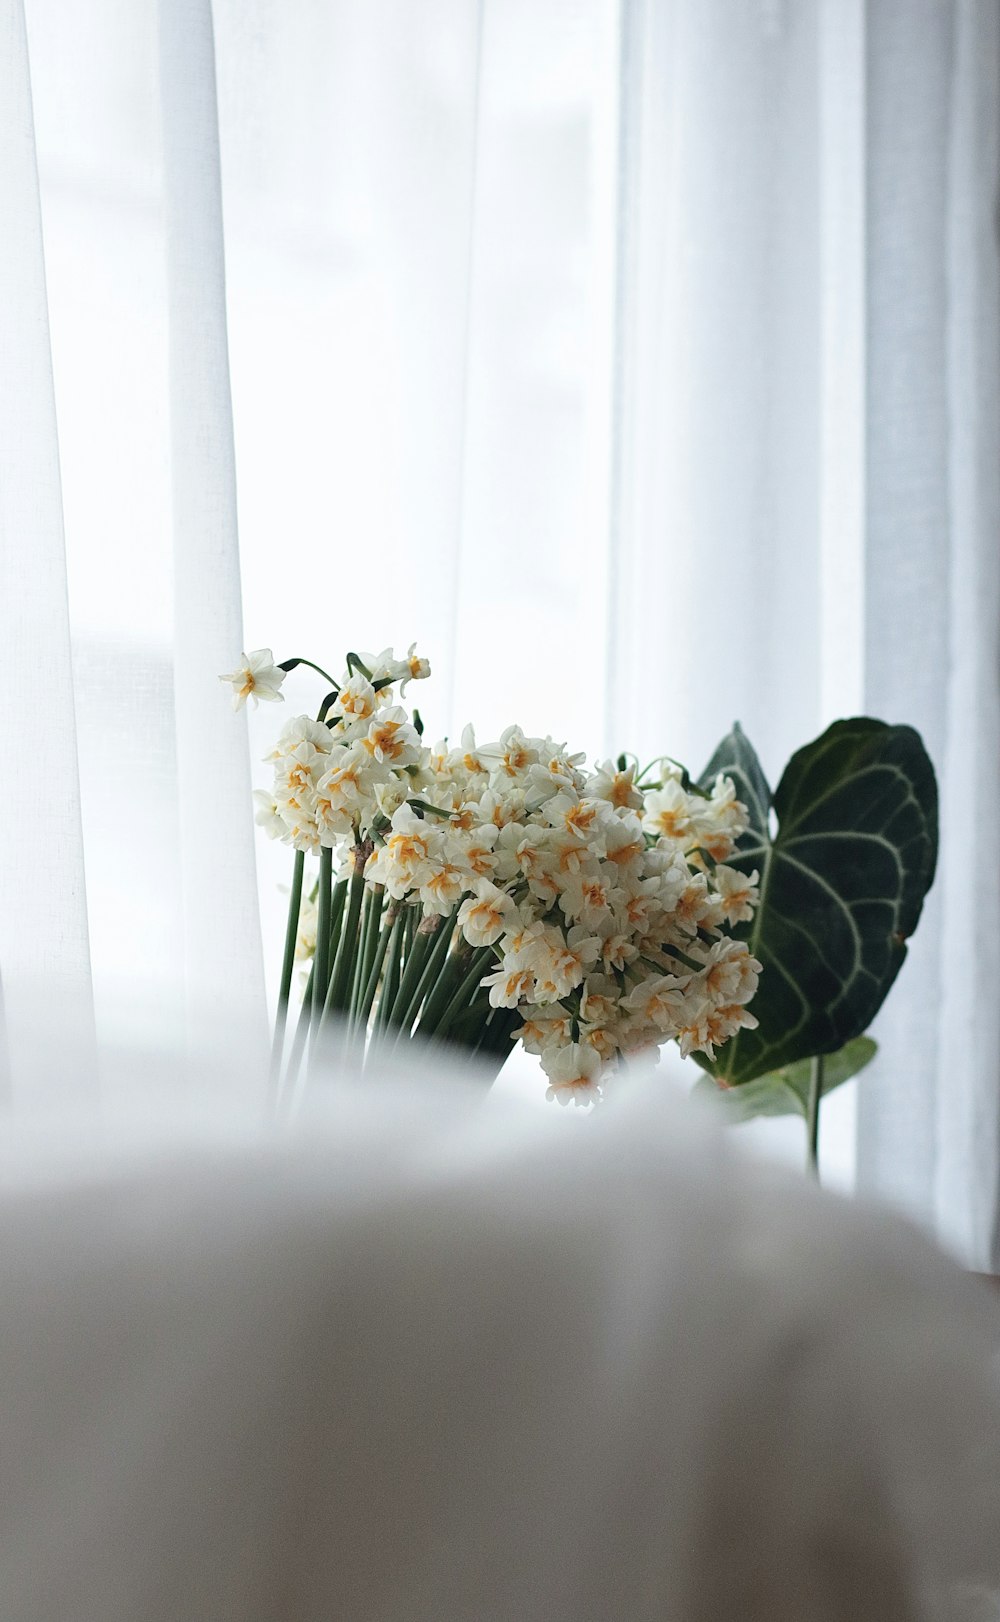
(810, 433)
(125, 136)
(808, 472)
(639, 357)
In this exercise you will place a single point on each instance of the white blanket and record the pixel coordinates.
(425, 1359)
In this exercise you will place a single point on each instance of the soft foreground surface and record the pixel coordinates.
(424, 1356)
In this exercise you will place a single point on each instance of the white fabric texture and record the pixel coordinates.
(43, 905)
(809, 428)
(429, 1357)
(933, 585)
(639, 357)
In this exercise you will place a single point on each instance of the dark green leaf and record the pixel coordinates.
(842, 883)
(737, 758)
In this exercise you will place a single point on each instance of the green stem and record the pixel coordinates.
(409, 932)
(298, 1042)
(371, 985)
(498, 1028)
(331, 936)
(390, 980)
(412, 974)
(431, 970)
(369, 946)
(451, 971)
(287, 969)
(460, 1001)
(348, 945)
(322, 962)
(290, 664)
(812, 1114)
(493, 1047)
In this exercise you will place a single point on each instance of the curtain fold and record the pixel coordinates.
(739, 471)
(807, 516)
(929, 1122)
(44, 945)
(221, 918)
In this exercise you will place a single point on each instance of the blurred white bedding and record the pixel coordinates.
(427, 1355)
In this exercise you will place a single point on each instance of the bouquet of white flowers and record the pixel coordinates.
(497, 892)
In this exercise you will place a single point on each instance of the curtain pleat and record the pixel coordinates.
(44, 945)
(928, 1120)
(222, 950)
(806, 517)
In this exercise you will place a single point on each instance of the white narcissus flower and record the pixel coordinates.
(692, 905)
(295, 777)
(404, 861)
(509, 987)
(390, 796)
(474, 852)
(487, 913)
(523, 850)
(257, 677)
(544, 1027)
(301, 729)
(599, 999)
(640, 906)
(738, 893)
(583, 820)
(730, 974)
(356, 699)
(302, 831)
(719, 821)
(412, 668)
(625, 844)
(618, 950)
(587, 897)
(602, 1039)
(512, 755)
(664, 1001)
(392, 740)
(267, 815)
(573, 1072)
(499, 808)
(617, 788)
(562, 961)
(468, 757)
(443, 886)
(668, 813)
(724, 1021)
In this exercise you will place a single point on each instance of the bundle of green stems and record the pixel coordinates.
(382, 974)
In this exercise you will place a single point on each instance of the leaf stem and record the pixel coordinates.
(812, 1111)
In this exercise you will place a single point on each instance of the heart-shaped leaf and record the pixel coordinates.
(786, 1091)
(842, 883)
